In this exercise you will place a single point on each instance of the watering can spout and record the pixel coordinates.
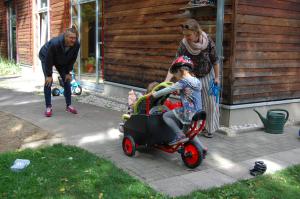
(263, 119)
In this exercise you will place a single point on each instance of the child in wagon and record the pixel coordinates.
(133, 96)
(189, 88)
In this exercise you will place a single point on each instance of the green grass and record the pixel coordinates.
(9, 67)
(281, 185)
(53, 174)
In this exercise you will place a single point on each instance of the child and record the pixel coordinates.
(134, 96)
(189, 88)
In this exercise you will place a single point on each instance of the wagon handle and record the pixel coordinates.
(148, 96)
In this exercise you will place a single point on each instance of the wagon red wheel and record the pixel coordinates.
(192, 155)
(128, 145)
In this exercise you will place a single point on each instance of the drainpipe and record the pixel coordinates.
(219, 36)
(97, 42)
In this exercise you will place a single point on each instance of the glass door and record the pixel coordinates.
(85, 15)
(88, 41)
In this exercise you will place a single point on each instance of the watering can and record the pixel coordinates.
(275, 120)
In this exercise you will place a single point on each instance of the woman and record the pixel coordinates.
(197, 45)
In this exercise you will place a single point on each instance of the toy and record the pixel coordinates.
(76, 89)
(146, 128)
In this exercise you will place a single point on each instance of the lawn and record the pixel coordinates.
(281, 185)
(9, 67)
(67, 172)
(70, 172)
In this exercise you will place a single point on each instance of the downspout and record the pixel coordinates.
(219, 38)
(97, 42)
(102, 35)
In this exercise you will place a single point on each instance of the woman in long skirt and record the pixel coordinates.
(199, 46)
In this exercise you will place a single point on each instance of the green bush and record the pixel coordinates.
(8, 67)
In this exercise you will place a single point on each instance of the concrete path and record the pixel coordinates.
(96, 129)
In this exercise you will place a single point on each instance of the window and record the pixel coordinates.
(42, 4)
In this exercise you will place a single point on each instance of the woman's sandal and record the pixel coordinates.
(207, 134)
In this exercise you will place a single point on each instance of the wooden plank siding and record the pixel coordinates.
(3, 30)
(59, 17)
(267, 51)
(141, 38)
(24, 32)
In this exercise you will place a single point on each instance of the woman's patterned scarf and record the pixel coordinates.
(196, 48)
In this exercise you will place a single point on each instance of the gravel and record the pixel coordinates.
(109, 102)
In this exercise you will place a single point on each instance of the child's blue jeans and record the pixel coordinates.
(174, 123)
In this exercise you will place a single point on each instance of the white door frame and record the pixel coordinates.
(38, 9)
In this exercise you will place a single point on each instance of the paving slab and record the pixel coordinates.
(237, 170)
(208, 178)
(174, 186)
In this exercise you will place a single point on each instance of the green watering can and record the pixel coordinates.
(276, 118)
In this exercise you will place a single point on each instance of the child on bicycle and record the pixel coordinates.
(189, 88)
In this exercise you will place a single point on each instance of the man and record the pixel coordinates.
(60, 52)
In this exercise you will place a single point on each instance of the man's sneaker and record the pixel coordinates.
(48, 112)
(179, 139)
(71, 109)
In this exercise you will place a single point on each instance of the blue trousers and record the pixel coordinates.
(47, 89)
(178, 128)
(171, 120)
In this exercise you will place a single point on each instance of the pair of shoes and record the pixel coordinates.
(207, 134)
(48, 111)
(71, 109)
(179, 139)
(259, 168)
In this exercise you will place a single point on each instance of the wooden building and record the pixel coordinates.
(261, 45)
(133, 42)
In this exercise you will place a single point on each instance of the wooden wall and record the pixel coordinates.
(267, 51)
(58, 21)
(3, 30)
(60, 16)
(141, 38)
(24, 32)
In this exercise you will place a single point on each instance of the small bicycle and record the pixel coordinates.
(76, 88)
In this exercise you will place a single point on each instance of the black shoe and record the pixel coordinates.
(207, 134)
